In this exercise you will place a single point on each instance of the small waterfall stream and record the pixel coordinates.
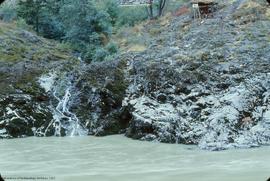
(64, 118)
(63, 92)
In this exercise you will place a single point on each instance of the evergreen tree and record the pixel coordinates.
(84, 25)
(30, 10)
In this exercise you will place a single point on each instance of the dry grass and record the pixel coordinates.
(19, 45)
(136, 48)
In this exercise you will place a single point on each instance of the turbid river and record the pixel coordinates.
(116, 158)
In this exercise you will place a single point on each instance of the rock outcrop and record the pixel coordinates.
(205, 83)
(199, 82)
(24, 104)
(202, 82)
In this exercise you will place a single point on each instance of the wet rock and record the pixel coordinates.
(21, 116)
(162, 98)
(218, 91)
(207, 84)
(103, 90)
(25, 107)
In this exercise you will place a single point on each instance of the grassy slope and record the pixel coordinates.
(24, 56)
(18, 45)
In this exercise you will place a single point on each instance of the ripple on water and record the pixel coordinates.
(122, 159)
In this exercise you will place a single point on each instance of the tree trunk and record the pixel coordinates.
(151, 14)
(161, 7)
(37, 7)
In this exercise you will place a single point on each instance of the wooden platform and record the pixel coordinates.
(204, 8)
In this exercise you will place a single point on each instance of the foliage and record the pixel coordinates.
(8, 13)
(156, 8)
(111, 8)
(86, 25)
(30, 10)
(84, 30)
(112, 48)
(129, 16)
(122, 16)
(100, 54)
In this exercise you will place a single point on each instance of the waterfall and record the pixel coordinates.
(61, 88)
(64, 118)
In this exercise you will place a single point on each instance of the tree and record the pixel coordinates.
(160, 6)
(112, 8)
(51, 25)
(85, 26)
(30, 10)
(80, 23)
(150, 12)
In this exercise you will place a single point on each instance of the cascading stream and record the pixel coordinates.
(64, 118)
(61, 88)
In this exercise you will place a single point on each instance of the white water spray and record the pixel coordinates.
(64, 118)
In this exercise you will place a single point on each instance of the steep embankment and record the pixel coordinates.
(202, 82)
(24, 57)
(206, 82)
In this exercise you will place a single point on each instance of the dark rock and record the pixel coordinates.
(207, 84)
(22, 116)
(162, 98)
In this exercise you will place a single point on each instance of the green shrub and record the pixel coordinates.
(8, 13)
(111, 7)
(100, 55)
(20, 22)
(86, 25)
(129, 16)
(112, 48)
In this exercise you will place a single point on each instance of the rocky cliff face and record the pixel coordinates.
(199, 82)
(24, 104)
(202, 82)
(205, 82)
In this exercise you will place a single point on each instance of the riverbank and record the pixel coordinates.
(200, 82)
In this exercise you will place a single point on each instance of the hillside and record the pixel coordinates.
(183, 80)
(24, 57)
(198, 81)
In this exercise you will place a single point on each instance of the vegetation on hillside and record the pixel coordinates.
(86, 26)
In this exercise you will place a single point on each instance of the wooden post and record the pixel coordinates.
(196, 11)
(203, 8)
